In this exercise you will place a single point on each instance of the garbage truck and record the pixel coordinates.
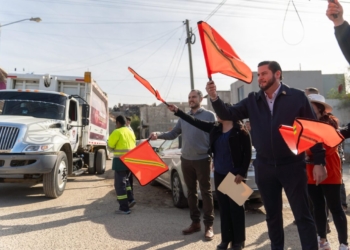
(52, 127)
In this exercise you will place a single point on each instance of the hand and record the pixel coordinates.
(173, 108)
(153, 136)
(319, 173)
(211, 90)
(239, 179)
(335, 9)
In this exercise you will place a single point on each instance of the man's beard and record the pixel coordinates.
(269, 84)
(195, 106)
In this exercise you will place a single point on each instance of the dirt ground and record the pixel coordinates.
(83, 218)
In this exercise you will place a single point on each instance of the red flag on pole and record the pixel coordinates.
(220, 57)
(144, 163)
(306, 133)
(145, 83)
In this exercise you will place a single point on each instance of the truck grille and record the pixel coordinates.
(8, 137)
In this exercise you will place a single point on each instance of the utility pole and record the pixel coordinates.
(189, 42)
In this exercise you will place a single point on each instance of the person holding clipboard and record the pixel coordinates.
(231, 149)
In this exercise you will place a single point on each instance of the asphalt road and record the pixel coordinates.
(83, 218)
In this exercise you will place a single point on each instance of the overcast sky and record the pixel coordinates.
(107, 36)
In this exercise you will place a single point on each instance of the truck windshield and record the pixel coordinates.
(41, 105)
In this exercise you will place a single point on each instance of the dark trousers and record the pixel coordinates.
(329, 194)
(232, 216)
(123, 189)
(194, 170)
(293, 179)
(343, 195)
(131, 180)
(342, 192)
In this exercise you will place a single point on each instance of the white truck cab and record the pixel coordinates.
(51, 127)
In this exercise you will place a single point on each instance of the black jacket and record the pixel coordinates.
(270, 147)
(342, 33)
(239, 141)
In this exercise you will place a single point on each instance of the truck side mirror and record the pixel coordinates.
(85, 111)
(85, 121)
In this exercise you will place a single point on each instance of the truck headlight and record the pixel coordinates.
(38, 148)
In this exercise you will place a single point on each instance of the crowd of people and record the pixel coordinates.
(312, 181)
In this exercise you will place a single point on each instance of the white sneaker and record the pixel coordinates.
(343, 247)
(324, 246)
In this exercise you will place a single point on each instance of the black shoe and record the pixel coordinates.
(238, 246)
(222, 246)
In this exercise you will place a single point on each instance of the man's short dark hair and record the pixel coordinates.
(128, 118)
(121, 119)
(312, 90)
(199, 93)
(273, 66)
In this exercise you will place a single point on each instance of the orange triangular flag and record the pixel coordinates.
(220, 57)
(305, 133)
(144, 163)
(145, 83)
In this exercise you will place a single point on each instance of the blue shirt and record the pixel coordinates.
(222, 156)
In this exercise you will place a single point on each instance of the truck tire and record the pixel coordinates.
(179, 198)
(100, 161)
(55, 182)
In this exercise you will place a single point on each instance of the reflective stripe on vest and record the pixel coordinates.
(119, 152)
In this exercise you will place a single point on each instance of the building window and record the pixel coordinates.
(240, 92)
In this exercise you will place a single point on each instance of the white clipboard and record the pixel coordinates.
(239, 193)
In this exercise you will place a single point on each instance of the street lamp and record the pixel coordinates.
(35, 19)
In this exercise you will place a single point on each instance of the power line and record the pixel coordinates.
(175, 71)
(301, 22)
(135, 22)
(110, 52)
(175, 53)
(148, 57)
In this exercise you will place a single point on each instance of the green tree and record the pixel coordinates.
(343, 97)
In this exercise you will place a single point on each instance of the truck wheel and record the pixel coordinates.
(54, 182)
(100, 161)
(179, 199)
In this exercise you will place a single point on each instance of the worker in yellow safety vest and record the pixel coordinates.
(120, 142)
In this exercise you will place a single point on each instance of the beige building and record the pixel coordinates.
(159, 118)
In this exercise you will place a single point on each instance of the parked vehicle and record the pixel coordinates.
(52, 127)
(170, 152)
(154, 143)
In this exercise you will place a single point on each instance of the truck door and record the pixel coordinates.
(73, 121)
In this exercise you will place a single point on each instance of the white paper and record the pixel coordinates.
(239, 193)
